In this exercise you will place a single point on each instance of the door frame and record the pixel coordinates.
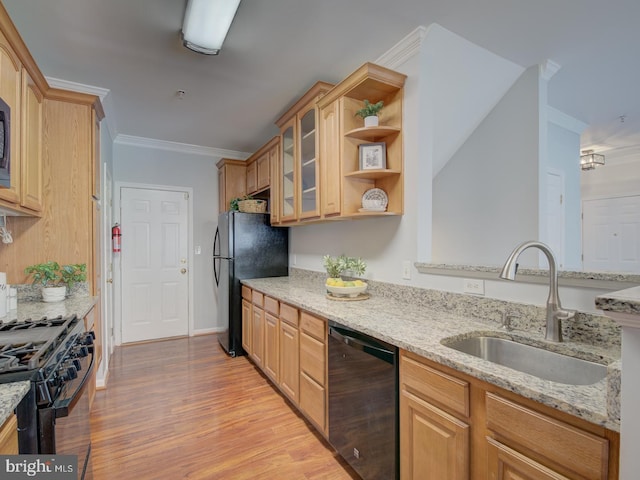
(117, 267)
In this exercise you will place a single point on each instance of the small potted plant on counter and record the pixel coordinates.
(56, 279)
(370, 113)
(336, 286)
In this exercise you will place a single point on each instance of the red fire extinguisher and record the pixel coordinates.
(115, 237)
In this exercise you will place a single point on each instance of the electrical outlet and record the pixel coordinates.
(406, 270)
(474, 286)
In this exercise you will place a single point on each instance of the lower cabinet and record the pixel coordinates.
(247, 320)
(289, 353)
(271, 339)
(9, 436)
(313, 369)
(453, 426)
(257, 328)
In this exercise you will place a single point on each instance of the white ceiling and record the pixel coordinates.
(276, 49)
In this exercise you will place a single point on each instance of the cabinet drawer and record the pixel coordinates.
(257, 298)
(312, 358)
(567, 446)
(289, 314)
(313, 400)
(271, 305)
(314, 326)
(246, 293)
(450, 393)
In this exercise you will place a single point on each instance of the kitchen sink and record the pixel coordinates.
(532, 360)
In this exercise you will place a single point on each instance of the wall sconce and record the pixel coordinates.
(206, 23)
(590, 160)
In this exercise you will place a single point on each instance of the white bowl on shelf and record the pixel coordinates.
(346, 291)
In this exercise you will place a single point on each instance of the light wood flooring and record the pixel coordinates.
(182, 408)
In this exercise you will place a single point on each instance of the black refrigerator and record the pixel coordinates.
(245, 246)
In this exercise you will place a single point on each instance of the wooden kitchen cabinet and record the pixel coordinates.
(31, 170)
(299, 192)
(257, 329)
(247, 319)
(232, 181)
(271, 339)
(289, 353)
(454, 426)
(433, 443)
(252, 178)
(9, 436)
(313, 369)
(342, 133)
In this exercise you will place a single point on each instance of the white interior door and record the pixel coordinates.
(555, 216)
(611, 234)
(155, 283)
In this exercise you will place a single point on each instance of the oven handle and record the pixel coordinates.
(65, 410)
(359, 344)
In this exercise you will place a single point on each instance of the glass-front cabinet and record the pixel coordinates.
(308, 191)
(298, 196)
(288, 181)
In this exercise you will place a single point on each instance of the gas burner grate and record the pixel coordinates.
(27, 324)
(18, 357)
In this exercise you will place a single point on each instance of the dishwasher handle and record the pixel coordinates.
(361, 344)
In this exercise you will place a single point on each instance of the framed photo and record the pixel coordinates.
(373, 156)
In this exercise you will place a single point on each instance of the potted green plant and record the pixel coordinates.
(370, 113)
(56, 278)
(335, 285)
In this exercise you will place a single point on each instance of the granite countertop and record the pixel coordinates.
(10, 396)
(12, 393)
(622, 301)
(419, 329)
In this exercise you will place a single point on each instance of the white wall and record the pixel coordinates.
(619, 176)
(153, 166)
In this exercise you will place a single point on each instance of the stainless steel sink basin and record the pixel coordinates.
(532, 360)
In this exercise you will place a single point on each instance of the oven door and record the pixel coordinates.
(64, 428)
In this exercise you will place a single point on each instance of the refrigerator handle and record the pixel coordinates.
(216, 259)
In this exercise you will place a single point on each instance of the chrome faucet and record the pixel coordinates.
(555, 312)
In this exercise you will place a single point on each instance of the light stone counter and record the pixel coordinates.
(408, 321)
(622, 301)
(10, 396)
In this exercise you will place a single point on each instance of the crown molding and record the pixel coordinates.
(403, 50)
(548, 69)
(143, 142)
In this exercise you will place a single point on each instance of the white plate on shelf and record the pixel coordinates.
(375, 199)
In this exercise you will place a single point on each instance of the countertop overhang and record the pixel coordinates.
(421, 330)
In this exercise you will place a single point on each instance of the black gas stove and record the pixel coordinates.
(56, 356)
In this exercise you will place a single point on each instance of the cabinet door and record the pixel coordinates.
(31, 181)
(307, 188)
(263, 171)
(289, 361)
(433, 444)
(288, 177)
(503, 463)
(271, 347)
(330, 148)
(246, 326)
(10, 82)
(257, 336)
(274, 187)
(9, 436)
(252, 178)
(96, 176)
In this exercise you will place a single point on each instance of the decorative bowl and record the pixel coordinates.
(346, 291)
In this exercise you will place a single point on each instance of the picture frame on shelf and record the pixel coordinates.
(373, 156)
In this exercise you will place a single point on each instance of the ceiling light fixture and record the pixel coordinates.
(590, 160)
(206, 23)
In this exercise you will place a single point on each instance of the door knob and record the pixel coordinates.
(183, 270)
(109, 280)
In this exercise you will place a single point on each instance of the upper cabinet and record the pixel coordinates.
(232, 182)
(22, 88)
(298, 195)
(345, 143)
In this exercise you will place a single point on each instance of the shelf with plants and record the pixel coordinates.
(375, 84)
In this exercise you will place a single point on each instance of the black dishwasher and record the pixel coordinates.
(363, 402)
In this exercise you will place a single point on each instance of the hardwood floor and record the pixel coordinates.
(183, 409)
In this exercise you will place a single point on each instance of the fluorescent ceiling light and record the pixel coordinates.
(206, 23)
